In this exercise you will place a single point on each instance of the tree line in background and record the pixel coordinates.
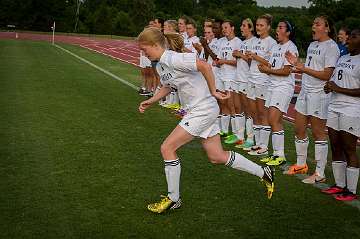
(128, 17)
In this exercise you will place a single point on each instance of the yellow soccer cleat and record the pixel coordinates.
(268, 180)
(164, 205)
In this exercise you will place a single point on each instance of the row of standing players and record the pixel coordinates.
(259, 73)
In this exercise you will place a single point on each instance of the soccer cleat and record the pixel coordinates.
(315, 178)
(259, 152)
(296, 169)
(266, 159)
(231, 139)
(247, 145)
(268, 180)
(333, 190)
(164, 205)
(346, 196)
(276, 161)
(223, 134)
(252, 148)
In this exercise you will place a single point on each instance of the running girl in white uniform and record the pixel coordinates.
(227, 63)
(242, 76)
(343, 121)
(259, 82)
(312, 102)
(195, 83)
(280, 89)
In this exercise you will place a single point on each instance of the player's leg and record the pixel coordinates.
(352, 171)
(278, 137)
(265, 129)
(217, 155)
(339, 161)
(237, 120)
(177, 138)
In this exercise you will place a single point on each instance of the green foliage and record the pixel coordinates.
(128, 17)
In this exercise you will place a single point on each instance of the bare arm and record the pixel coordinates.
(164, 91)
(285, 71)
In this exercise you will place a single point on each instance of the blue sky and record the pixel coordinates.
(283, 3)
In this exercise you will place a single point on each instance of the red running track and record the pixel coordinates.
(123, 50)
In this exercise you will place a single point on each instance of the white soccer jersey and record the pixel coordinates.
(262, 48)
(346, 75)
(184, 35)
(228, 72)
(188, 43)
(320, 55)
(242, 66)
(179, 71)
(278, 61)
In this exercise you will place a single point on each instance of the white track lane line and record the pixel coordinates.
(99, 68)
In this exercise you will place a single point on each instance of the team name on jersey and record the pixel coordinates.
(259, 48)
(277, 54)
(227, 48)
(345, 65)
(313, 51)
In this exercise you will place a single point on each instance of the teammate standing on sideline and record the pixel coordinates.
(170, 26)
(280, 90)
(191, 37)
(343, 121)
(343, 36)
(195, 83)
(243, 117)
(227, 63)
(183, 20)
(312, 102)
(260, 54)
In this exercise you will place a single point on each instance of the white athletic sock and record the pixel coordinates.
(240, 123)
(249, 128)
(239, 162)
(172, 172)
(234, 125)
(321, 152)
(176, 98)
(339, 171)
(301, 146)
(265, 132)
(278, 143)
(257, 134)
(225, 121)
(352, 177)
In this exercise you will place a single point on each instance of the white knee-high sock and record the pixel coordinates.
(352, 177)
(240, 122)
(301, 146)
(249, 128)
(172, 173)
(239, 162)
(234, 125)
(339, 171)
(176, 98)
(321, 152)
(265, 132)
(257, 134)
(225, 121)
(278, 143)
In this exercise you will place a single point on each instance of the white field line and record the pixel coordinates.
(99, 68)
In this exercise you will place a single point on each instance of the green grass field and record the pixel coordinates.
(78, 161)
